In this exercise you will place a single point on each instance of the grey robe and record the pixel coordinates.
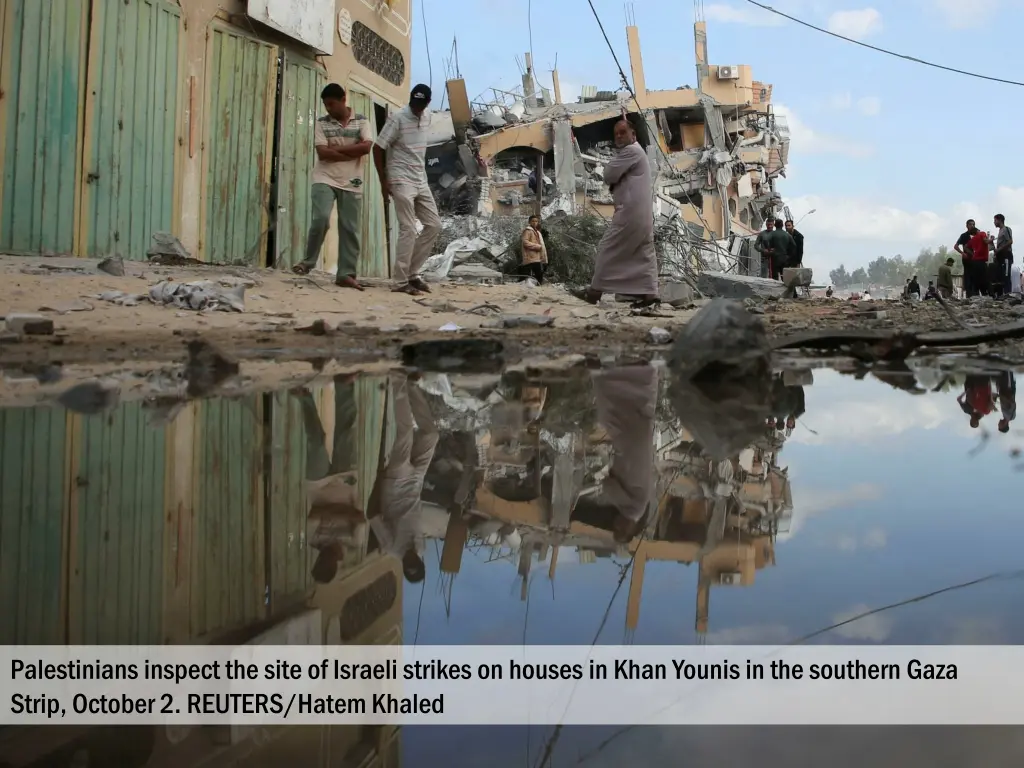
(626, 400)
(626, 261)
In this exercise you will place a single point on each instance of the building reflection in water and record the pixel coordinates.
(297, 517)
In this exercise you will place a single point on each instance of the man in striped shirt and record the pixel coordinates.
(400, 157)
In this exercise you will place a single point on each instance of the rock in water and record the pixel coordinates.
(88, 398)
(723, 334)
(206, 369)
(722, 383)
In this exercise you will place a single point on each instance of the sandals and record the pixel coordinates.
(301, 269)
(407, 288)
(586, 295)
(420, 285)
(645, 303)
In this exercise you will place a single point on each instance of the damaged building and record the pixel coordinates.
(716, 152)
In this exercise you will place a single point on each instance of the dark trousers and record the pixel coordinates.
(968, 277)
(979, 278)
(1005, 262)
(535, 270)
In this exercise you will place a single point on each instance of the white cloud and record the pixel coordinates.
(869, 419)
(874, 538)
(805, 139)
(868, 221)
(841, 101)
(869, 105)
(756, 634)
(812, 502)
(855, 24)
(751, 16)
(960, 14)
(875, 628)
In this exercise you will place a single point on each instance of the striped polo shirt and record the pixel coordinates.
(405, 139)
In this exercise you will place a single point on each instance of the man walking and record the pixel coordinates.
(342, 139)
(797, 258)
(1004, 251)
(400, 158)
(965, 258)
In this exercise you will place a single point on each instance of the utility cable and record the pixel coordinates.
(426, 41)
(884, 50)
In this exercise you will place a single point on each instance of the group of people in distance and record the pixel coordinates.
(781, 246)
(987, 260)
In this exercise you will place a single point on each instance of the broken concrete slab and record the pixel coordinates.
(659, 336)
(797, 277)
(29, 325)
(526, 321)
(675, 293)
(728, 286)
(112, 266)
(476, 273)
(798, 378)
(166, 244)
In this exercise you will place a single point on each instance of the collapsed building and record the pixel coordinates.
(716, 151)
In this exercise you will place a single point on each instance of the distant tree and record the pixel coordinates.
(839, 276)
(859, 276)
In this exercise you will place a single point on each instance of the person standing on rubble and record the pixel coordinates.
(763, 245)
(783, 250)
(341, 139)
(945, 281)
(978, 247)
(1004, 251)
(797, 257)
(535, 253)
(965, 257)
(400, 158)
(626, 260)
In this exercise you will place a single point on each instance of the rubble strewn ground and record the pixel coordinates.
(289, 318)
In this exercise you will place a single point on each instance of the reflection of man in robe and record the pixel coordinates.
(626, 400)
(397, 527)
(332, 481)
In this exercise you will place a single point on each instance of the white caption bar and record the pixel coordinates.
(512, 685)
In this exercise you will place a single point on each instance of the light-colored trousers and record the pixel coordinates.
(412, 251)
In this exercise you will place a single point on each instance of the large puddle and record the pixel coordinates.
(574, 508)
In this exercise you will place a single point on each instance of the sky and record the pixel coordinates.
(892, 156)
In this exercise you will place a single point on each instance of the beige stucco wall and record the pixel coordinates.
(341, 67)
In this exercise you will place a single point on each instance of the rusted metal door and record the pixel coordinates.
(301, 83)
(41, 77)
(131, 126)
(238, 147)
(374, 260)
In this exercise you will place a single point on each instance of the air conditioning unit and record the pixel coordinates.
(729, 579)
(728, 73)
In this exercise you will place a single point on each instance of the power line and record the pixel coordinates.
(883, 50)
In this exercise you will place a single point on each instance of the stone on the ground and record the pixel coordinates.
(476, 273)
(29, 325)
(675, 293)
(727, 286)
(166, 244)
(797, 277)
(527, 321)
(112, 266)
(659, 336)
(88, 398)
(801, 378)
(725, 334)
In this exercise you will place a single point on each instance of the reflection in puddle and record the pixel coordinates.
(491, 509)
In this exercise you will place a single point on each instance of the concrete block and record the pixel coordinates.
(804, 378)
(797, 277)
(729, 286)
(29, 325)
(675, 293)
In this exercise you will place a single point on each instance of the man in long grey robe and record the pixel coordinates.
(626, 400)
(626, 260)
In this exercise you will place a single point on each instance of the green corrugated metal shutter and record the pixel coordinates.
(372, 398)
(374, 260)
(300, 103)
(41, 77)
(287, 502)
(238, 149)
(32, 519)
(117, 579)
(228, 574)
(131, 127)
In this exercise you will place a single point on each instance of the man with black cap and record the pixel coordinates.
(400, 157)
